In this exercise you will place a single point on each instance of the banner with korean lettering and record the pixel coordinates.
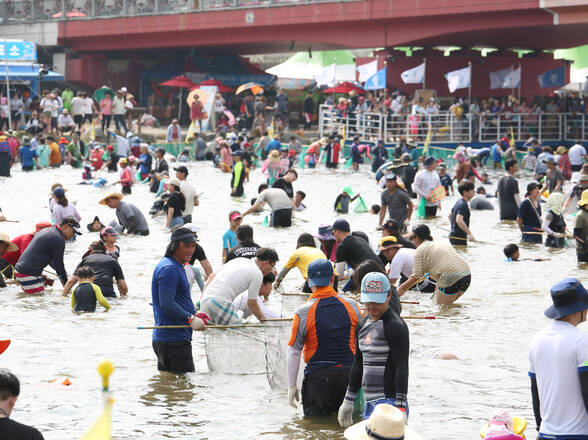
(18, 50)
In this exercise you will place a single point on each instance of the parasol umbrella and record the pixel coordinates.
(344, 87)
(101, 92)
(222, 87)
(196, 92)
(231, 117)
(183, 82)
(253, 87)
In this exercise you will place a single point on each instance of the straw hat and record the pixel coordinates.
(555, 202)
(584, 199)
(274, 156)
(386, 422)
(561, 150)
(117, 195)
(4, 238)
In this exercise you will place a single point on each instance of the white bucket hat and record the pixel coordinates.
(386, 423)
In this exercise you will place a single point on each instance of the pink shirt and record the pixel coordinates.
(106, 106)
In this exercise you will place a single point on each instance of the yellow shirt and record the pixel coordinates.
(302, 257)
(97, 291)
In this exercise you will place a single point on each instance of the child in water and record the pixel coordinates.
(86, 294)
(512, 253)
(344, 199)
(87, 174)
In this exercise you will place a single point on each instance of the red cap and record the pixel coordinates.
(110, 148)
(235, 215)
(63, 140)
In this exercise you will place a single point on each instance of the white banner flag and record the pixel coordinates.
(326, 76)
(367, 70)
(459, 79)
(497, 78)
(513, 79)
(416, 75)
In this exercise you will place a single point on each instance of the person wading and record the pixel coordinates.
(323, 328)
(558, 366)
(172, 305)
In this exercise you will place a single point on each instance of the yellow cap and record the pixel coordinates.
(584, 199)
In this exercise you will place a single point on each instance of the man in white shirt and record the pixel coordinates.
(240, 303)
(89, 108)
(425, 181)
(77, 109)
(118, 110)
(576, 154)
(189, 193)
(65, 122)
(233, 277)
(280, 203)
(50, 105)
(558, 358)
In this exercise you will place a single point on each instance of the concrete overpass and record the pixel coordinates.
(263, 26)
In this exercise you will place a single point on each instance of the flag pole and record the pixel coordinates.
(520, 81)
(512, 90)
(424, 72)
(470, 83)
(7, 83)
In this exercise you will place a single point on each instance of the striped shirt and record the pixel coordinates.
(381, 362)
(441, 261)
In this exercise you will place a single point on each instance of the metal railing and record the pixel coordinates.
(446, 128)
(44, 10)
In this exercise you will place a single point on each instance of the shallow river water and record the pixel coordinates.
(489, 328)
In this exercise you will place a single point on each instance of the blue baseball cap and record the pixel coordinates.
(320, 273)
(568, 296)
(374, 288)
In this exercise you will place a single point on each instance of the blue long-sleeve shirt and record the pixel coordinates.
(172, 303)
(45, 249)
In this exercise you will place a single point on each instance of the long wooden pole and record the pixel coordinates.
(254, 325)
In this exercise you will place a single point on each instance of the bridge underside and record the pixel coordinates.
(363, 24)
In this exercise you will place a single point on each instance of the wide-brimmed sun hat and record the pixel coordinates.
(386, 422)
(117, 195)
(568, 296)
(4, 238)
(324, 233)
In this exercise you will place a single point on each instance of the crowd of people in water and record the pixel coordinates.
(350, 331)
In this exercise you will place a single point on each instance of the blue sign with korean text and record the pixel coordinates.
(18, 51)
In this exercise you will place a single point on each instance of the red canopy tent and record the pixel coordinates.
(223, 88)
(344, 87)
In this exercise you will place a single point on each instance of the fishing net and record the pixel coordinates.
(276, 353)
(276, 356)
(236, 351)
(360, 205)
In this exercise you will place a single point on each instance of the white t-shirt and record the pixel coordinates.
(233, 277)
(240, 305)
(276, 198)
(189, 193)
(401, 264)
(576, 154)
(50, 105)
(556, 355)
(425, 182)
(65, 121)
(77, 105)
(88, 103)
